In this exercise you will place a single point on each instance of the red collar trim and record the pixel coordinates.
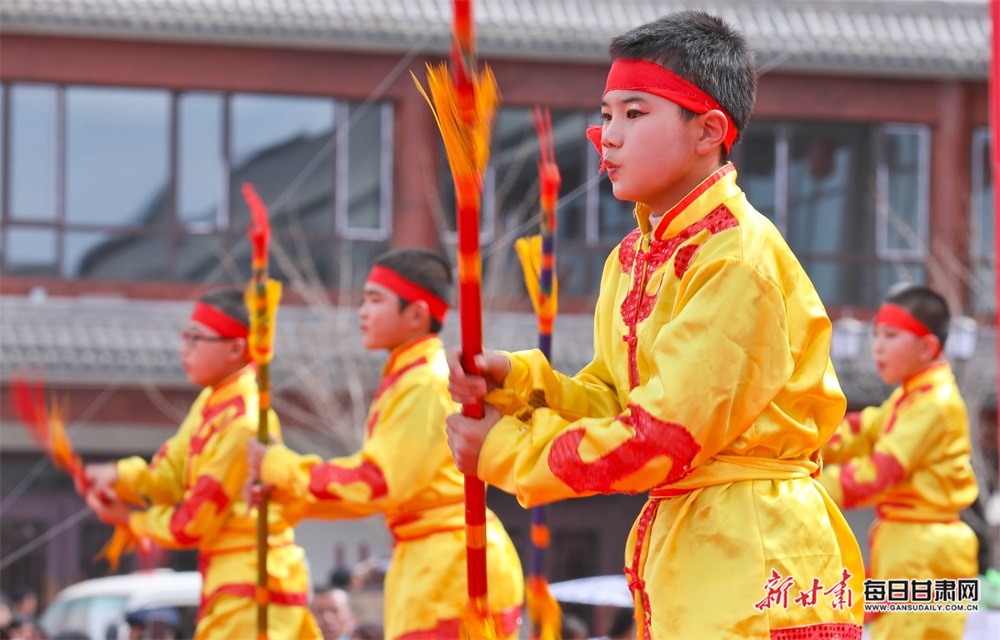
(694, 194)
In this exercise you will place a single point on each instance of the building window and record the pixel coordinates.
(850, 200)
(144, 184)
(982, 241)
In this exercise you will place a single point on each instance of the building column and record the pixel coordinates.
(415, 164)
(951, 153)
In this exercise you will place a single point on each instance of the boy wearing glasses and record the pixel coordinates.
(192, 488)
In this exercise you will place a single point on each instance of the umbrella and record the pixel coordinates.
(603, 590)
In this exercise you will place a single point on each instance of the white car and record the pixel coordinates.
(98, 607)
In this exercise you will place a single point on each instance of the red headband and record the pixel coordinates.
(898, 317)
(408, 291)
(219, 322)
(649, 77)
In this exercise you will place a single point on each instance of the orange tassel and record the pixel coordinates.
(543, 609)
(122, 541)
(47, 428)
(477, 624)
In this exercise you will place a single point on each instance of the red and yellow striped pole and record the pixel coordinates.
(464, 103)
(538, 261)
(262, 297)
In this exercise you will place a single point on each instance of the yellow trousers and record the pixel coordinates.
(426, 586)
(229, 583)
(921, 551)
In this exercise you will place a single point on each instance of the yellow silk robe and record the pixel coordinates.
(711, 387)
(405, 471)
(194, 486)
(910, 459)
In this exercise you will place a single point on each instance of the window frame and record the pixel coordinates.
(883, 252)
(176, 229)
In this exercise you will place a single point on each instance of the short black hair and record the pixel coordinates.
(229, 301)
(425, 268)
(924, 304)
(705, 51)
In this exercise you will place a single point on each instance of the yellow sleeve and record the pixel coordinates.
(907, 435)
(713, 371)
(855, 435)
(220, 472)
(405, 450)
(588, 393)
(161, 481)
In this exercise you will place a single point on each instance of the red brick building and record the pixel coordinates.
(126, 129)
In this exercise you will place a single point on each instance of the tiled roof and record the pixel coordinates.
(101, 340)
(932, 38)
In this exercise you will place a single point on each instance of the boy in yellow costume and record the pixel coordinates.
(194, 483)
(404, 469)
(910, 459)
(711, 385)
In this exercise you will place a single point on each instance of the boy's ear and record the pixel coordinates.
(714, 126)
(239, 349)
(930, 347)
(418, 315)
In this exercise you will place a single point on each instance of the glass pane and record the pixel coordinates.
(831, 219)
(895, 272)
(347, 263)
(110, 256)
(572, 150)
(905, 197)
(313, 262)
(984, 273)
(755, 161)
(30, 252)
(117, 156)
(514, 157)
(3, 164)
(982, 246)
(282, 145)
(364, 167)
(211, 259)
(199, 163)
(984, 300)
(830, 187)
(33, 125)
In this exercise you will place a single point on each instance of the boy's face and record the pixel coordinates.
(383, 324)
(899, 354)
(208, 358)
(652, 153)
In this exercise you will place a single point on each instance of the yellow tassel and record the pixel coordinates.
(529, 252)
(543, 610)
(477, 625)
(121, 542)
(466, 145)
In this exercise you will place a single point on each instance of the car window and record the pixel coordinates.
(92, 615)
